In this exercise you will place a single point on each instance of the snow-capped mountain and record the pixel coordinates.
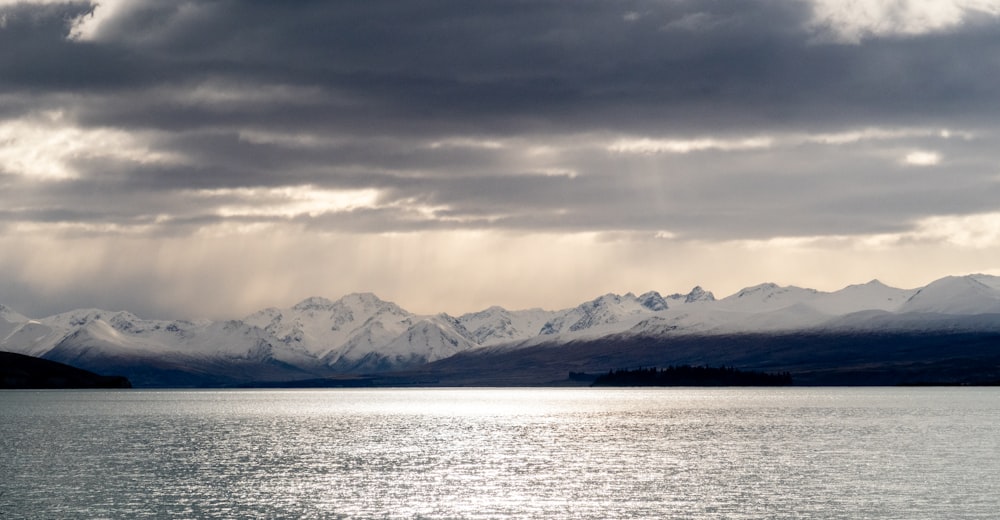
(973, 294)
(497, 325)
(361, 333)
(9, 315)
(603, 311)
(196, 352)
(766, 297)
(427, 340)
(873, 295)
(18, 333)
(351, 327)
(696, 295)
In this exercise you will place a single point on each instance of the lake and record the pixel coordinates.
(880, 453)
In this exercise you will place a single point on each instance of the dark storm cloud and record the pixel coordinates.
(355, 95)
(500, 66)
(35, 55)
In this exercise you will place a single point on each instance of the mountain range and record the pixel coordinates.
(871, 333)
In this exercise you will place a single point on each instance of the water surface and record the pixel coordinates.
(502, 453)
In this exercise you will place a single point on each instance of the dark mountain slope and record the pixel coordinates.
(817, 358)
(20, 371)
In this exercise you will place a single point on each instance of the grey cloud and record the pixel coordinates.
(501, 58)
(511, 66)
(378, 81)
(839, 191)
(36, 56)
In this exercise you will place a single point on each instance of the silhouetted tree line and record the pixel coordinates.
(687, 375)
(583, 377)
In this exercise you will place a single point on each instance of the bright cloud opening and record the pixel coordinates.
(978, 231)
(874, 133)
(855, 20)
(87, 27)
(44, 147)
(971, 231)
(464, 142)
(651, 145)
(922, 158)
(647, 145)
(289, 201)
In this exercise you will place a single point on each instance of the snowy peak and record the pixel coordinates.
(698, 294)
(365, 304)
(873, 295)
(314, 303)
(604, 310)
(336, 332)
(767, 297)
(364, 301)
(990, 281)
(30, 337)
(125, 321)
(875, 286)
(972, 294)
(426, 340)
(498, 325)
(653, 301)
(361, 307)
(75, 318)
(488, 315)
(760, 292)
(431, 339)
(95, 338)
(102, 331)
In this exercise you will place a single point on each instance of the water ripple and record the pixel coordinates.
(502, 453)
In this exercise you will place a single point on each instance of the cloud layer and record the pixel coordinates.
(682, 129)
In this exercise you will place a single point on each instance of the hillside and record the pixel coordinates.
(20, 371)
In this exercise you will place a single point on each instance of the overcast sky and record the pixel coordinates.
(210, 158)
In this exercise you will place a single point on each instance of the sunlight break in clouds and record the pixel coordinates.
(922, 158)
(851, 21)
(647, 145)
(43, 147)
(192, 154)
(289, 201)
(980, 231)
(464, 142)
(88, 27)
(883, 134)
(970, 232)
(681, 145)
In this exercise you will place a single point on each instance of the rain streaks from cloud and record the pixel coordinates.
(603, 135)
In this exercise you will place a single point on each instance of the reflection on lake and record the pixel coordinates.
(513, 453)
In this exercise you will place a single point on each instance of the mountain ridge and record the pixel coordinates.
(360, 332)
